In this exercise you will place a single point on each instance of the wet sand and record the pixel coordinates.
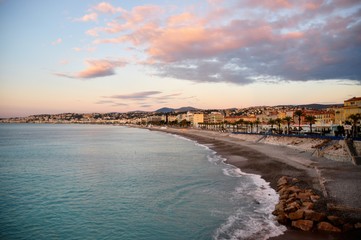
(273, 162)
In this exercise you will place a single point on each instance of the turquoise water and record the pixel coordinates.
(111, 182)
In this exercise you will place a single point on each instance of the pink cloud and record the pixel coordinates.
(91, 17)
(96, 68)
(293, 35)
(173, 44)
(92, 32)
(274, 4)
(105, 7)
(140, 14)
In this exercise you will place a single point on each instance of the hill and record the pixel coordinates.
(168, 110)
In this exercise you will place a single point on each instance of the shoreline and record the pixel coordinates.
(272, 162)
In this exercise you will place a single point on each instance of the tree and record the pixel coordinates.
(240, 121)
(288, 120)
(355, 118)
(299, 114)
(251, 125)
(257, 122)
(278, 121)
(311, 120)
(271, 122)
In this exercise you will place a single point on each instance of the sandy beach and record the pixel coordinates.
(339, 183)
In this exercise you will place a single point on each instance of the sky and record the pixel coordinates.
(117, 56)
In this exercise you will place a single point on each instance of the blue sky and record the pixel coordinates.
(118, 56)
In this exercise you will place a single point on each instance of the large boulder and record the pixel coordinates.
(314, 216)
(296, 215)
(328, 227)
(305, 225)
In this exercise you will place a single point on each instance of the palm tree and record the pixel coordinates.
(240, 121)
(271, 122)
(278, 121)
(257, 122)
(311, 120)
(288, 119)
(355, 118)
(299, 114)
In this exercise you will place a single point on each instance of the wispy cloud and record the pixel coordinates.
(96, 68)
(244, 41)
(105, 7)
(57, 41)
(137, 95)
(91, 17)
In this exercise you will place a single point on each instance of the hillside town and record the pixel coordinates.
(337, 120)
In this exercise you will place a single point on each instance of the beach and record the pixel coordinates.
(338, 183)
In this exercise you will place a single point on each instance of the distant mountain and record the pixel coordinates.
(165, 110)
(182, 109)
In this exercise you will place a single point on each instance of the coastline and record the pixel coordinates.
(272, 162)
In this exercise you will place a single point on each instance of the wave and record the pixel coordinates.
(253, 219)
(254, 200)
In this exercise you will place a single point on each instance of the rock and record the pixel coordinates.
(282, 181)
(292, 207)
(295, 180)
(282, 189)
(284, 195)
(303, 196)
(314, 198)
(336, 220)
(307, 205)
(294, 189)
(278, 208)
(314, 216)
(305, 225)
(358, 225)
(296, 215)
(347, 227)
(291, 199)
(282, 218)
(328, 227)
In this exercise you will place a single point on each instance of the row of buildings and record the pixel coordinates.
(325, 119)
(337, 115)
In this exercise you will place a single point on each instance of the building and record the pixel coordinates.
(352, 106)
(324, 117)
(195, 118)
(232, 119)
(214, 117)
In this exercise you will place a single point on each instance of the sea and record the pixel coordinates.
(112, 182)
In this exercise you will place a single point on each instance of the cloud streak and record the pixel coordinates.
(142, 99)
(136, 96)
(96, 69)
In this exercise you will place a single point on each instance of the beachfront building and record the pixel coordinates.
(214, 117)
(181, 117)
(232, 119)
(195, 118)
(325, 117)
(352, 106)
(250, 118)
(339, 115)
(172, 118)
(154, 119)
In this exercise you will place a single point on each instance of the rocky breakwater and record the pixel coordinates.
(301, 208)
